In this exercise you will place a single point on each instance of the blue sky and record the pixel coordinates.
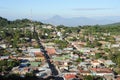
(43, 9)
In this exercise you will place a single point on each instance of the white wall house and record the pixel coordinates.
(3, 45)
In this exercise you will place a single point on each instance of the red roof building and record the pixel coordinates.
(38, 54)
(51, 51)
(69, 76)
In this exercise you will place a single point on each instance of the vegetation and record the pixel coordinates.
(15, 33)
(98, 55)
(92, 78)
(115, 58)
(7, 65)
(17, 23)
(61, 44)
(93, 44)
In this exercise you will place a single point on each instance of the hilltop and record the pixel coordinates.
(17, 23)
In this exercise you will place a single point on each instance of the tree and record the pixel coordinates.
(98, 55)
(3, 22)
(61, 44)
(79, 60)
(73, 39)
(88, 77)
(93, 44)
(7, 65)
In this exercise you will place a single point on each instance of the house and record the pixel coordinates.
(15, 70)
(50, 44)
(24, 70)
(68, 49)
(59, 51)
(78, 45)
(39, 56)
(3, 45)
(85, 50)
(27, 58)
(117, 38)
(108, 63)
(31, 51)
(115, 45)
(118, 78)
(47, 26)
(44, 71)
(20, 70)
(83, 57)
(95, 63)
(23, 48)
(92, 53)
(84, 72)
(84, 64)
(109, 77)
(69, 76)
(101, 60)
(101, 72)
(74, 56)
(4, 57)
(51, 51)
(34, 42)
(43, 74)
(36, 53)
(105, 44)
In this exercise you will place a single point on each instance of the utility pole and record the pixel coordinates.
(32, 25)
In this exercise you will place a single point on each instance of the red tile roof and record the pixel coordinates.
(84, 71)
(51, 51)
(118, 78)
(38, 54)
(69, 76)
(95, 61)
(101, 70)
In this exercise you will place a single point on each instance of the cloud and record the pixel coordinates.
(91, 9)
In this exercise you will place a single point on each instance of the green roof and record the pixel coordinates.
(35, 64)
(62, 57)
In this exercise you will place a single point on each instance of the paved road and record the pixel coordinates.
(51, 65)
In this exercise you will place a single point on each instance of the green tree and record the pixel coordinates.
(98, 55)
(88, 77)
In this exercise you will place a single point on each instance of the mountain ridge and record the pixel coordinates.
(75, 21)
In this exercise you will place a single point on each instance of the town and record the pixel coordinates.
(31, 50)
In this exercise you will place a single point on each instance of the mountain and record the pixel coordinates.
(75, 21)
(113, 24)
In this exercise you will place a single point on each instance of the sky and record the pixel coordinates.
(44, 9)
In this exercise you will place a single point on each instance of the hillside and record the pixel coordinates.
(113, 24)
(17, 23)
(75, 21)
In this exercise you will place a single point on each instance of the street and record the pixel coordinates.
(51, 65)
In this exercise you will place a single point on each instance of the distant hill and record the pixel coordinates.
(17, 23)
(113, 24)
(58, 20)
(3, 22)
(75, 21)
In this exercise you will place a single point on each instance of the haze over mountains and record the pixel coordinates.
(75, 21)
